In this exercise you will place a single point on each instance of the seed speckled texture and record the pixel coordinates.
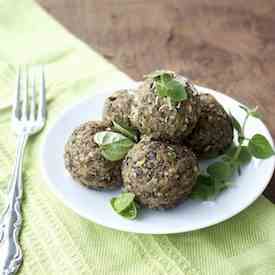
(117, 107)
(160, 175)
(214, 131)
(84, 161)
(153, 115)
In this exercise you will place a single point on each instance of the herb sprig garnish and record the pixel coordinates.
(125, 206)
(218, 174)
(167, 86)
(126, 131)
(115, 145)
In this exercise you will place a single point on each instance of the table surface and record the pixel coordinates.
(225, 45)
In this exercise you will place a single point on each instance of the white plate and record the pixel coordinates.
(191, 215)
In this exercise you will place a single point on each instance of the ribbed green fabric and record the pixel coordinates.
(57, 241)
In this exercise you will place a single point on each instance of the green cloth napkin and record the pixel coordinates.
(55, 240)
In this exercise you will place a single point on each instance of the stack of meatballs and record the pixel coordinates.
(162, 167)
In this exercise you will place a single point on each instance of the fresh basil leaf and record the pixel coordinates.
(256, 114)
(124, 205)
(167, 86)
(259, 147)
(126, 131)
(166, 77)
(221, 170)
(176, 91)
(230, 152)
(236, 124)
(204, 188)
(114, 146)
(107, 137)
(116, 151)
(225, 184)
(244, 155)
(205, 180)
(208, 187)
(130, 213)
(156, 75)
(226, 158)
(221, 185)
(161, 89)
(122, 201)
(113, 155)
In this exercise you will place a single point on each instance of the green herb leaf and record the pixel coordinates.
(124, 205)
(106, 137)
(208, 187)
(116, 151)
(114, 146)
(236, 124)
(161, 89)
(257, 115)
(204, 188)
(167, 86)
(126, 131)
(222, 185)
(130, 213)
(260, 147)
(230, 152)
(221, 170)
(122, 201)
(244, 155)
(176, 91)
(219, 173)
(156, 75)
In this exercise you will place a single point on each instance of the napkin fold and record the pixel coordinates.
(55, 240)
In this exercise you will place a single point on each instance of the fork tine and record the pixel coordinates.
(25, 97)
(32, 111)
(42, 99)
(16, 103)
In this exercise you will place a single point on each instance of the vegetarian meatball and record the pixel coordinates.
(154, 115)
(117, 107)
(160, 175)
(84, 161)
(214, 131)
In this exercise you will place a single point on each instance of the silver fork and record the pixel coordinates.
(28, 118)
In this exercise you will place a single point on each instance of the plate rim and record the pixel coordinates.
(67, 203)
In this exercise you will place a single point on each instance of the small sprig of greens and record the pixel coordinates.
(126, 131)
(219, 173)
(125, 206)
(114, 146)
(167, 86)
(158, 73)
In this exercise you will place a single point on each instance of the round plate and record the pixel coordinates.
(190, 215)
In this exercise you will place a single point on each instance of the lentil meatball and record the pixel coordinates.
(84, 161)
(214, 131)
(155, 116)
(160, 175)
(117, 107)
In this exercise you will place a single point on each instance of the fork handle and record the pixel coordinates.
(10, 223)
